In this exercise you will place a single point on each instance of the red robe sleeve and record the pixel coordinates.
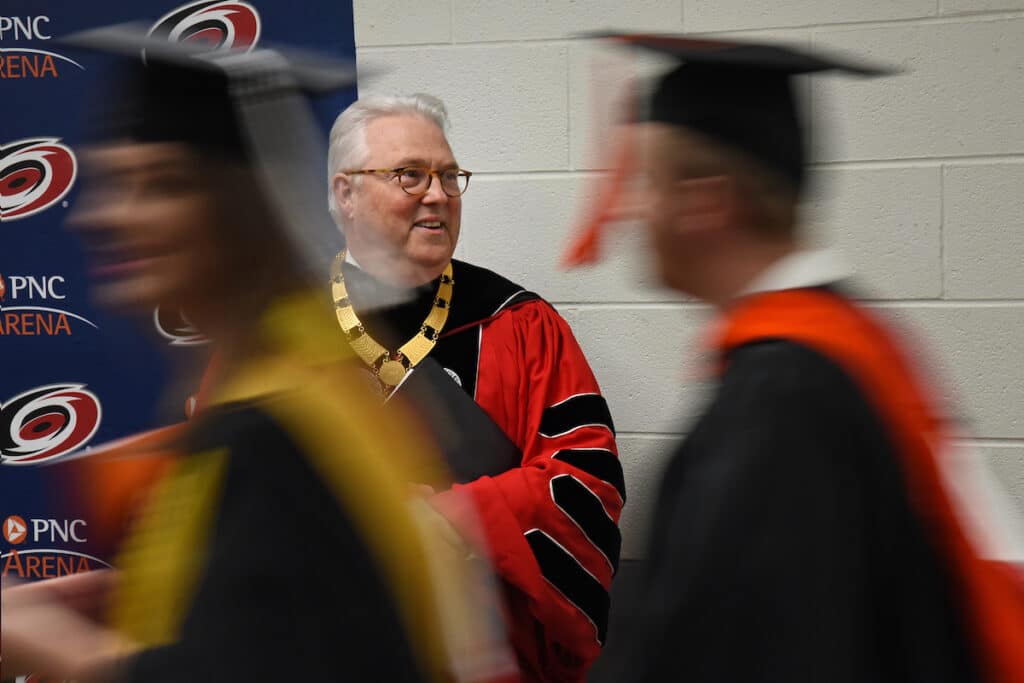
(551, 524)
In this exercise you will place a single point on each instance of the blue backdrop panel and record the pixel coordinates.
(72, 376)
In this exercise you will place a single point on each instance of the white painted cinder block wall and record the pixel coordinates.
(924, 174)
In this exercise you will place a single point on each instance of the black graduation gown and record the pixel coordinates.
(289, 590)
(784, 545)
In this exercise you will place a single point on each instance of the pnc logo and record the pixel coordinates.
(35, 174)
(220, 25)
(33, 287)
(24, 28)
(15, 530)
(35, 320)
(47, 422)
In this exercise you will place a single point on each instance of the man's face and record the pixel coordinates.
(688, 218)
(394, 236)
(146, 222)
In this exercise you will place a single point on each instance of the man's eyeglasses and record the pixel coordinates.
(415, 180)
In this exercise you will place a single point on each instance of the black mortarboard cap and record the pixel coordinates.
(183, 92)
(168, 102)
(247, 106)
(738, 94)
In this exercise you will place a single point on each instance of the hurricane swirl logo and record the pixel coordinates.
(176, 328)
(46, 423)
(217, 24)
(35, 174)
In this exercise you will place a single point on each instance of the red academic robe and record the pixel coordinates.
(550, 524)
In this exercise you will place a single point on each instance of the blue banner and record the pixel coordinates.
(73, 376)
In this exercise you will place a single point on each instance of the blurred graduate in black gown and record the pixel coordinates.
(806, 529)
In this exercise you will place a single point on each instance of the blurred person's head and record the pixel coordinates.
(723, 160)
(401, 222)
(715, 216)
(172, 212)
(166, 224)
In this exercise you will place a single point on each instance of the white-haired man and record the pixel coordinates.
(550, 520)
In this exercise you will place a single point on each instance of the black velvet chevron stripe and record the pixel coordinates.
(585, 509)
(596, 462)
(575, 412)
(578, 586)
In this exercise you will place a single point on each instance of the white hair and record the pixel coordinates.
(347, 147)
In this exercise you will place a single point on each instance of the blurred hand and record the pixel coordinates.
(87, 593)
(46, 630)
(437, 524)
(421, 490)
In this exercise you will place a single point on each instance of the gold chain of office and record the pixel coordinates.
(390, 366)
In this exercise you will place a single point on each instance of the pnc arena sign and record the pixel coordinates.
(33, 564)
(25, 62)
(32, 306)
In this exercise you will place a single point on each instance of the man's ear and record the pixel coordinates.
(706, 204)
(341, 185)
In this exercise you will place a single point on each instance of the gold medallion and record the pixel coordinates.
(392, 370)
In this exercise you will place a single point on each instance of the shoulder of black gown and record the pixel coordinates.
(782, 411)
(781, 369)
(481, 293)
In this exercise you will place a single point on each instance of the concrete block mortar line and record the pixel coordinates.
(917, 162)
(631, 305)
(568, 110)
(670, 305)
(538, 174)
(817, 28)
(841, 26)
(524, 42)
(942, 231)
(946, 303)
(992, 441)
(971, 441)
(582, 173)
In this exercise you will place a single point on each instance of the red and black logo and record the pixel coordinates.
(35, 174)
(46, 423)
(178, 330)
(3, 289)
(221, 25)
